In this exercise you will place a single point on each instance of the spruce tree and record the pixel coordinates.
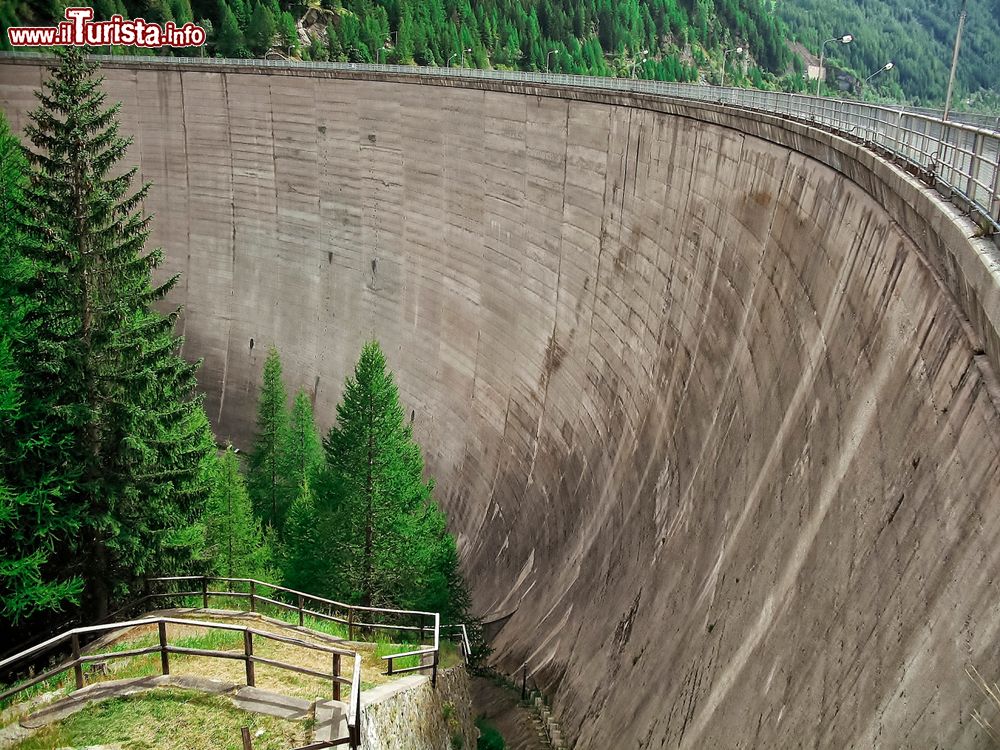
(387, 526)
(101, 365)
(268, 484)
(31, 524)
(233, 535)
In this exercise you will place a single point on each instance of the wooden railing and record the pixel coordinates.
(356, 619)
(165, 649)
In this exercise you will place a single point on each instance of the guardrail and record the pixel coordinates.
(164, 649)
(960, 160)
(413, 623)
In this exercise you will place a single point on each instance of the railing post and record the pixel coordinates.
(248, 655)
(161, 626)
(389, 670)
(524, 682)
(350, 624)
(434, 669)
(204, 592)
(77, 666)
(300, 611)
(253, 596)
(336, 675)
(247, 744)
(423, 622)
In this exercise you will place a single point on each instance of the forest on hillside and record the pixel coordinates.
(916, 35)
(658, 39)
(109, 472)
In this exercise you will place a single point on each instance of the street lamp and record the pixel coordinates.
(548, 56)
(635, 61)
(451, 58)
(845, 39)
(887, 66)
(463, 55)
(738, 51)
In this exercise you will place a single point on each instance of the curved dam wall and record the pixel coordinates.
(708, 396)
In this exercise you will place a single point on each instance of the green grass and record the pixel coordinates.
(167, 718)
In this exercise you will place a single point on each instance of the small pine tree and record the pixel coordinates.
(302, 449)
(235, 542)
(267, 482)
(306, 565)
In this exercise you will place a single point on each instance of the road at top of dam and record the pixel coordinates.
(709, 396)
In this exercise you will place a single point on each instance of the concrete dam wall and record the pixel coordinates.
(709, 396)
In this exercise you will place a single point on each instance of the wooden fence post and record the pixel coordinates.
(77, 667)
(336, 675)
(204, 592)
(248, 655)
(434, 670)
(247, 744)
(300, 610)
(253, 597)
(161, 626)
(350, 624)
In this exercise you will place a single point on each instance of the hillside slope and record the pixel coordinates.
(917, 35)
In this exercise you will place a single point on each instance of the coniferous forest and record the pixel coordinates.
(109, 472)
(667, 40)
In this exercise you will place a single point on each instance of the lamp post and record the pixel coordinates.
(548, 56)
(845, 39)
(887, 66)
(738, 51)
(451, 58)
(469, 49)
(635, 60)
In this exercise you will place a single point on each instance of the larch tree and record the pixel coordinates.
(267, 481)
(302, 449)
(233, 535)
(102, 366)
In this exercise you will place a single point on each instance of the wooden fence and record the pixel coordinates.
(356, 619)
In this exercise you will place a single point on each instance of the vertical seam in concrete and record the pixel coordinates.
(547, 372)
(187, 198)
(232, 277)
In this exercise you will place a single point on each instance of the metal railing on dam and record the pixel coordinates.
(962, 160)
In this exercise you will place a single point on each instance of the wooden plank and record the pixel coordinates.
(35, 680)
(206, 652)
(119, 654)
(293, 668)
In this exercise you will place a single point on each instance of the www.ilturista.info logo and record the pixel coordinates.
(79, 30)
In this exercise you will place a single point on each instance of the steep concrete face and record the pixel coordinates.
(706, 395)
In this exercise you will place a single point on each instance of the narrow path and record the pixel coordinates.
(502, 708)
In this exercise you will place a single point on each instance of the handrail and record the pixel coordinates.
(961, 158)
(303, 597)
(164, 648)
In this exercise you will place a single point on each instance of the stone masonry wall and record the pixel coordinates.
(410, 714)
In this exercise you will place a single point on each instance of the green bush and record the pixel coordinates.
(489, 737)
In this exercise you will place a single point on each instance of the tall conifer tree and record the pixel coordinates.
(391, 533)
(31, 524)
(267, 481)
(102, 366)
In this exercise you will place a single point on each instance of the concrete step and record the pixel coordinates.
(331, 721)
